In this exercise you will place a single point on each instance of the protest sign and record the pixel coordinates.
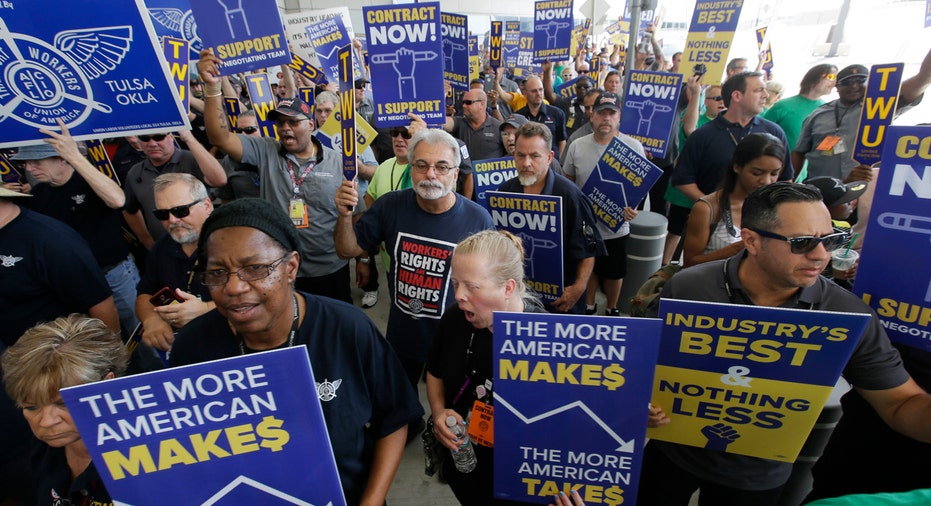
(584, 378)
(233, 109)
(621, 179)
(101, 78)
(537, 220)
(97, 154)
(177, 55)
(296, 27)
(552, 28)
(761, 41)
(525, 65)
(263, 102)
(327, 36)
(422, 275)
(617, 33)
(244, 35)
(511, 42)
(8, 172)
(489, 174)
(307, 70)
(495, 44)
(455, 29)
(710, 35)
(208, 433)
(405, 51)
(347, 110)
(900, 227)
(567, 88)
(173, 18)
(475, 60)
(579, 36)
(649, 110)
(748, 380)
(879, 104)
(927, 13)
(330, 134)
(307, 95)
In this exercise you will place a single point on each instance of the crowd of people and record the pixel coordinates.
(220, 242)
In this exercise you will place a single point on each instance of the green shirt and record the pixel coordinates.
(789, 113)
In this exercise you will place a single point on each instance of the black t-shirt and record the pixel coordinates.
(56, 486)
(75, 204)
(167, 265)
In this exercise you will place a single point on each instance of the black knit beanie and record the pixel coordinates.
(253, 213)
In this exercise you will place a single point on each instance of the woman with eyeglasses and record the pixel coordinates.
(488, 276)
(713, 229)
(791, 112)
(66, 352)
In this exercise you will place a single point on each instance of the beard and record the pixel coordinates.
(182, 233)
(432, 190)
(527, 179)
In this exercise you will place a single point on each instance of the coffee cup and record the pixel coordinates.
(842, 260)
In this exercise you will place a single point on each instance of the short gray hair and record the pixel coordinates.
(328, 97)
(435, 136)
(197, 188)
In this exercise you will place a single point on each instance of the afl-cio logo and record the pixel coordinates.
(40, 82)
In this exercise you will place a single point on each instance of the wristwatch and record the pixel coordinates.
(364, 260)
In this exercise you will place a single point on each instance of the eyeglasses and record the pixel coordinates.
(360, 86)
(806, 243)
(830, 77)
(583, 72)
(850, 81)
(154, 137)
(178, 212)
(403, 132)
(220, 277)
(441, 169)
(470, 102)
(716, 98)
(291, 122)
(248, 130)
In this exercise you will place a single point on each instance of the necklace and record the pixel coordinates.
(242, 345)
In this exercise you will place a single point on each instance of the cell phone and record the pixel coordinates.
(164, 297)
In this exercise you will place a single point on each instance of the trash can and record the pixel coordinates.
(644, 253)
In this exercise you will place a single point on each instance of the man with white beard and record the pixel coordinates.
(420, 226)
(182, 205)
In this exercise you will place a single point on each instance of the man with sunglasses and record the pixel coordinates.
(477, 130)
(161, 157)
(789, 238)
(298, 175)
(182, 206)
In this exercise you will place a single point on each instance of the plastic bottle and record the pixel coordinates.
(464, 457)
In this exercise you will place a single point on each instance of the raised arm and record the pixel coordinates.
(914, 86)
(549, 93)
(214, 175)
(109, 192)
(690, 119)
(214, 114)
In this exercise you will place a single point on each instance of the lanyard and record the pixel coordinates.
(296, 183)
(749, 131)
(838, 119)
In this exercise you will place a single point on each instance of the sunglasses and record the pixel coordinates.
(360, 86)
(400, 131)
(470, 102)
(851, 81)
(806, 243)
(830, 77)
(717, 98)
(154, 137)
(178, 212)
(248, 130)
(583, 72)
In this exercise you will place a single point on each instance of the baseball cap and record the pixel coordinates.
(35, 152)
(515, 120)
(852, 71)
(361, 82)
(607, 100)
(291, 108)
(834, 192)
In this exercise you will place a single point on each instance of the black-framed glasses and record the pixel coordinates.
(850, 81)
(470, 102)
(248, 130)
(178, 211)
(360, 86)
(403, 132)
(220, 277)
(582, 72)
(806, 243)
(153, 137)
(422, 167)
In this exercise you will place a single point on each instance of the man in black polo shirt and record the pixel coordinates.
(549, 115)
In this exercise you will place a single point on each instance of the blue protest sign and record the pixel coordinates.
(347, 109)
(102, 78)
(879, 104)
(621, 179)
(233, 110)
(571, 396)
(405, 52)
(177, 55)
(927, 13)
(749, 380)
(97, 154)
(475, 60)
(495, 44)
(307, 70)
(761, 40)
(8, 172)
(296, 27)
(710, 35)
(307, 95)
(537, 220)
(649, 109)
(455, 29)
(235, 428)
(489, 174)
(525, 64)
(567, 88)
(173, 18)
(552, 28)
(327, 37)
(263, 102)
(511, 43)
(900, 227)
(244, 35)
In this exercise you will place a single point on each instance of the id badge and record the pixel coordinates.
(840, 147)
(481, 424)
(298, 212)
(828, 144)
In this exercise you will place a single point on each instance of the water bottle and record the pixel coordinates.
(464, 457)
